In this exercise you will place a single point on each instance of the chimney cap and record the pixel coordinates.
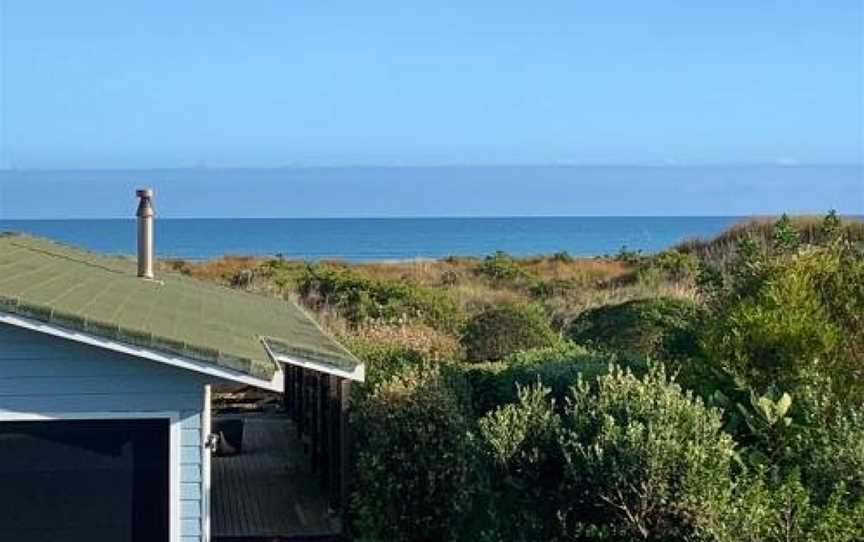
(144, 192)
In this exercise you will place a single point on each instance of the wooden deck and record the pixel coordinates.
(268, 491)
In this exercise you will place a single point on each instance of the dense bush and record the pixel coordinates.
(359, 298)
(500, 266)
(414, 460)
(520, 446)
(545, 289)
(385, 360)
(662, 328)
(828, 449)
(646, 455)
(558, 367)
(810, 230)
(791, 318)
(504, 329)
(674, 265)
(762, 510)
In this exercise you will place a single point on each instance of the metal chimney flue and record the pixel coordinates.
(145, 232)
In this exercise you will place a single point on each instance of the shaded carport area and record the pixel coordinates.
(290, 481)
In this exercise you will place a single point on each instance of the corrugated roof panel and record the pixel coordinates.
(79, 289)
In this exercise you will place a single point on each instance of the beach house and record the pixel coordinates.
(106, 370)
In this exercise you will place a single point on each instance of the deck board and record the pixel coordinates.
(268, 490)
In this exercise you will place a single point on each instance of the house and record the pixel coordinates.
(105, 376)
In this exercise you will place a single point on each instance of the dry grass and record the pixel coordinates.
(434, 344)
(723, 246)
(576, 285)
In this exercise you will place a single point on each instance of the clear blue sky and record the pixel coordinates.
(119, 84)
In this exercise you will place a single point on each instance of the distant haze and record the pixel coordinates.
(437, 191)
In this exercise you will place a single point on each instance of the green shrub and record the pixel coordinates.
(520, 444)
(628, 256)
(662, 328)
(791, 320)
(414, 460)
(674, 265)
(782, 511)
(562, 256)
(500, 266)
(384, 360)
(644, 454)
(360, 298)
(504, 329)
(807, 229)
(558, 367)
(546, 289)
(827, 447)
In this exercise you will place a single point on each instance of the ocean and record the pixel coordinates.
(685, 202)
(374, 239)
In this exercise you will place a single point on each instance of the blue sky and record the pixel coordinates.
(264, 84)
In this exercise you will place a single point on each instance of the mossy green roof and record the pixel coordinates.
(102, 295)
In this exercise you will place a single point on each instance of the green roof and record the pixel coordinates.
(103, 296)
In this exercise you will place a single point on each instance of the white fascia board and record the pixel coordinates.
(274, 384)
(357, 375)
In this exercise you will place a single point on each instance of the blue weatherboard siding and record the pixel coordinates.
(44, 374)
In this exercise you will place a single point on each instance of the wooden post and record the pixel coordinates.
(301, 403)
(344, 448)
(287, 389)
(315, 426)
(333, 417)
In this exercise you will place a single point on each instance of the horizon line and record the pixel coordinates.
(777, 164)
(439, 217)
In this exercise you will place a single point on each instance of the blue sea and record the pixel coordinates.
(370, 239)
(705, 200)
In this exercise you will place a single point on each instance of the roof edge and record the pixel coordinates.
(276, 382)
(357, 374)
(132, 337)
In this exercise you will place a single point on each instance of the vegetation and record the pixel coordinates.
(660, 328)
(504, 329)
(713, 391)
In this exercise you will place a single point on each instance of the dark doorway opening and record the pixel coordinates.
(85, 480)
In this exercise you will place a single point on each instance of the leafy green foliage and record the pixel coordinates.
(662, 328)
(783, 511)
(810, 231)
(828, 449)
(786, 237)
(504, 329)
(628, 256)
(675, 265)
(414, 460)
(645, 454)
(562, 256)
(385, 360)
(791, 320)
(557, 368)
(359, 298)
(546, 289)
(500, 266)
(520, 446)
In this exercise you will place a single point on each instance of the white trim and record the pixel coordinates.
(274, 384)
(358, 374)
(173, 418)
(206, 453)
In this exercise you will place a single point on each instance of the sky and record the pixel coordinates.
(282, 86)
(119, 84)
